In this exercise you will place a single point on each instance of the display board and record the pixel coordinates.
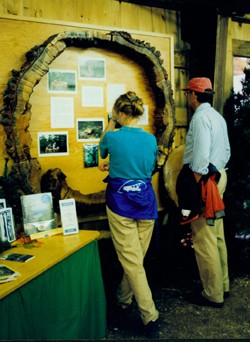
(70, 104)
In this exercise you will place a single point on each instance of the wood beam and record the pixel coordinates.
(220, 64)
(231, 8)
(241, 48)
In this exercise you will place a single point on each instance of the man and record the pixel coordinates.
(207, 147)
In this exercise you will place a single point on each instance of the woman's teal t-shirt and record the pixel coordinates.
(132, 153)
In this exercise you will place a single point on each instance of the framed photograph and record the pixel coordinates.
(2, 203)
(52, 144)
(90, 155)
(92, 68)
(89, 129)
(7, 227)
(38, 213)
(62, 81)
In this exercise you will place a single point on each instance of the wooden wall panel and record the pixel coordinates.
(130, 16)
(145, 24)
(108, 13)
(60, 15)
(120, 69)
(117, 67)
(96, 12)
(14, 7)
(159, 20)
(228, 31)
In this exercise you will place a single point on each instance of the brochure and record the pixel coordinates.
(68, 216)
(17, 257)
(7, 274)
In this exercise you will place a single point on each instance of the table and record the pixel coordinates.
(59, 294)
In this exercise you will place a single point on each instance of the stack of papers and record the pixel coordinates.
(7, 274)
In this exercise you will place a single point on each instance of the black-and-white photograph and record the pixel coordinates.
(7, 228)
(92, 68)
(89, 129)
(62, 81)
(52, 143)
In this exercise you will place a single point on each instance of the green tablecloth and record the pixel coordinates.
(66, 302)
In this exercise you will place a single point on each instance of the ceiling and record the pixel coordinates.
(231, 8)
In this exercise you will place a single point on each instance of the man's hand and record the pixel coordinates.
(197, 176)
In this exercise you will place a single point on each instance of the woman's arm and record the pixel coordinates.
(103, 166)
(110, 127)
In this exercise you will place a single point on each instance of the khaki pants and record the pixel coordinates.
(211, 253)
(131, 239)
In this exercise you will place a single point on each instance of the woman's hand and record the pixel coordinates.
(104, 166)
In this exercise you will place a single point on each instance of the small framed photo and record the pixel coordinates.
(92, 68)
(62, 81)
(2, 203)
(7, 227)
(52, 144)
(90, 155)
(89, 129)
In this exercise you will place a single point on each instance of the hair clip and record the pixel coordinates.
(132, 98)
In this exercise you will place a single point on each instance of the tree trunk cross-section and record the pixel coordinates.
(16, 110)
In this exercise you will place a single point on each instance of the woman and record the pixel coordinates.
(131, 202)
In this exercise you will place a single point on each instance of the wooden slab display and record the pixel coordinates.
(148, 72)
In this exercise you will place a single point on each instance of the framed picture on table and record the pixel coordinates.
(7, 227)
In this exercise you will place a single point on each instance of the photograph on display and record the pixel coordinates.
(7, 227)
(19, 257)
(38, 213)
(7, 274)
(52, 144)
(2, 203)
(62, 81)
(92, 68)
(89, 129)
(90, 155)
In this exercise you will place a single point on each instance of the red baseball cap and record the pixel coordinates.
(199, 84)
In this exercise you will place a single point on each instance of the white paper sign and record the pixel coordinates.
(62, 112)
(68, 216)
(92, 96)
